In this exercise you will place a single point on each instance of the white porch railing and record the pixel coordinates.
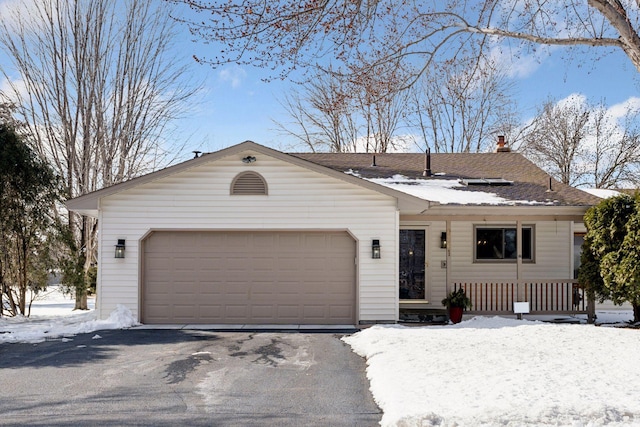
(563, 296)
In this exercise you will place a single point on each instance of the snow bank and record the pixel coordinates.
(119, 318)
(34, 330)
(496, 371)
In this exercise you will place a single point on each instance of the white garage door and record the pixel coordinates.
(249, 278)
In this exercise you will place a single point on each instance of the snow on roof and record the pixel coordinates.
(443, 191)
(603, 193)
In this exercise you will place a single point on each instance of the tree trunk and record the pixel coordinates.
(636, 312)
(81, 300)
(591, 307)
(23, 266)
(629, 39)
(81, 293)
(2, 289)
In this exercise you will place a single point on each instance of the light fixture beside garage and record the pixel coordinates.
(120, 249)
(375, 249)
(248, 159)
(443, 240)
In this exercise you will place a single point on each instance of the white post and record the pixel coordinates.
(448, 256)
(518, 259)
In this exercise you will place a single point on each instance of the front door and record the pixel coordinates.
(412, 264)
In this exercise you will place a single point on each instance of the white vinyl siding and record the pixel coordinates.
(553, 252)
(437, 255)
(298, 199)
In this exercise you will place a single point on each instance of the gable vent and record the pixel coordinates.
(248, 183)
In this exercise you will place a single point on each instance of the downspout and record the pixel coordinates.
(396, 263)
(98, 301)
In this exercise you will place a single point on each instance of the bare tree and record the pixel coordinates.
(321, 115)
(365, 34)
(347, 115)
(584, 145)
(382, 104)
(555, 139)
(459, 106)
(98, 89)
(614, 154)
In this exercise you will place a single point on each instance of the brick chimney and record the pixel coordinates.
(502, 145)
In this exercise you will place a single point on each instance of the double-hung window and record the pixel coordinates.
(500, 243)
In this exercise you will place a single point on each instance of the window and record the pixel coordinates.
(249, 183)
(500, 244)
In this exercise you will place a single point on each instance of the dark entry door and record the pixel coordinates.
(412, 264)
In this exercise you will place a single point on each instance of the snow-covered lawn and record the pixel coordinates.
(52, 316)
(491, 371)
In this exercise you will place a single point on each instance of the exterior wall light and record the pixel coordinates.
(120, 249)
(443, 240)
(375, 249)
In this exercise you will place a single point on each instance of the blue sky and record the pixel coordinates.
(237, 105)
(240, 106)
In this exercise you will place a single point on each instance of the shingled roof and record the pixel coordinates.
(527, 183)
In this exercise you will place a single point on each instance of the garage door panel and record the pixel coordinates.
(236, 290)
(314, 311)
(263, 313)
(289, 312)
(340, 311)
(209, 313)
(157, 311)
(209, 289)
(237, 242)
(184, 300)
(235, 313)
(261, 264)
(236, 264)
(182, 310)
(263, 292)
(249, 277)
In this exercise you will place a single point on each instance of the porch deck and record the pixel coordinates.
(562, 296)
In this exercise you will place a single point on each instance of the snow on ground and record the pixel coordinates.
(490, 371)
(485, 371)
(52, 316)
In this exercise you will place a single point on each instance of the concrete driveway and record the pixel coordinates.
(186, 377)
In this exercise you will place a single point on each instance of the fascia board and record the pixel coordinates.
(88, 203)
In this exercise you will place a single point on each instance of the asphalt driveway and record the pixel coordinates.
(185, 377)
